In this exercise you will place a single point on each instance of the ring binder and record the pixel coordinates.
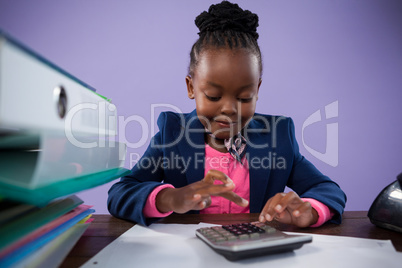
(36, 96)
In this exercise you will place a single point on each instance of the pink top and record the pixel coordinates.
(240, 175)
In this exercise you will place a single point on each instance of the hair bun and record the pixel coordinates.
(227, 16)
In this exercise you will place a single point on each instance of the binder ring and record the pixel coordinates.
(61, 100)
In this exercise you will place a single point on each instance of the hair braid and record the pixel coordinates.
(225, 25)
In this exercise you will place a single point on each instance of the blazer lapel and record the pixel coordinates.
(258, 149)
(192, 147)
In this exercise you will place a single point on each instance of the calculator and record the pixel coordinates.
(247, 240)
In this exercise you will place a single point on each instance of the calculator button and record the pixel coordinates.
(254, 235)
(244, 237)
(268, 229)
(220, 239)
(204, 230)
(231, 238)
(215, 235)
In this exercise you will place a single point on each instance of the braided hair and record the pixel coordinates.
(225, 25)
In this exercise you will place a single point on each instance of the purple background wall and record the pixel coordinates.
(315, 53)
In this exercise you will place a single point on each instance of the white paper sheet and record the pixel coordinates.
(175, 245)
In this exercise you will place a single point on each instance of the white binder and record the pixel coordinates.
(37, 96)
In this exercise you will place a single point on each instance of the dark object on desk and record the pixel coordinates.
(386, 210)
(246, 240)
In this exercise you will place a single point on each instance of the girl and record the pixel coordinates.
(223, 157)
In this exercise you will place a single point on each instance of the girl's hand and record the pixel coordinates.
(197, 196)
(290, 209)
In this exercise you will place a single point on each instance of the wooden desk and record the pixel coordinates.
(105, 228)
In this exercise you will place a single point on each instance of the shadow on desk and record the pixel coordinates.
(106, 228)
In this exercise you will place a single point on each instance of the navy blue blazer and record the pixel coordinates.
(176, 156)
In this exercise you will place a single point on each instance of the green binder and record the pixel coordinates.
(41, 196)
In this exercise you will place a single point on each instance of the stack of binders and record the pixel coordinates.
(57, 137)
